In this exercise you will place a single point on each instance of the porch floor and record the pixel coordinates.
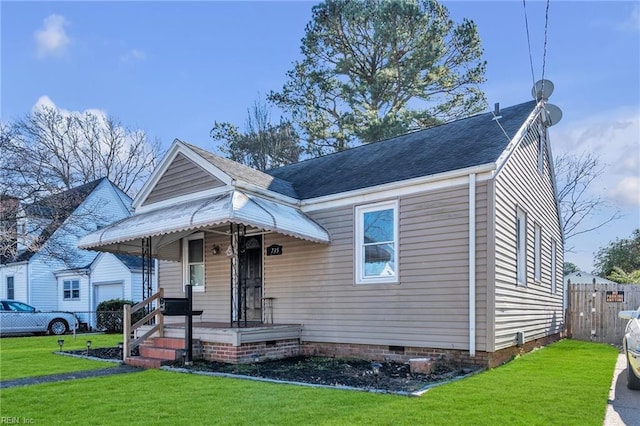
(223, 332)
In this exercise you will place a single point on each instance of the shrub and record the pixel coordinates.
(110, 312)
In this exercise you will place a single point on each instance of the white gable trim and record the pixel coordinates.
(518, 138)
(178, 147)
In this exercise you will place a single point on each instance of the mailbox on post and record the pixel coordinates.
(174, 306)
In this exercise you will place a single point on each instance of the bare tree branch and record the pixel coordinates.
(575, 175)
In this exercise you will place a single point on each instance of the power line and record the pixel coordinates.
(544, 52)
(526, 23)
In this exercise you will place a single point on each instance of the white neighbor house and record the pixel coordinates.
(81, 279)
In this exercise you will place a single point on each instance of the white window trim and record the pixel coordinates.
(70, 281)
(521, 247)
(554, 246)
(359, 243)
(537, 253)
(185, 261)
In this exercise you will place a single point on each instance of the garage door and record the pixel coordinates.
(108, 291)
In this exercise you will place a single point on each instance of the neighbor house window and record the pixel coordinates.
(11, 291)
(521, 247)
(377, 243)
(193, 260)
(71, 289)
(553, 266)
(537, 252)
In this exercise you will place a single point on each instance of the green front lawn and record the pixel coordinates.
(33, 356)
(566, 383)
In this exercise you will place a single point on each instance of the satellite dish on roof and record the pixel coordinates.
(552, 114)
(542, 90)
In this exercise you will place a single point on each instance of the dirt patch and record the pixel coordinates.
(352, 373)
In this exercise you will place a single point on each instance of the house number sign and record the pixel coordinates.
(274, 250)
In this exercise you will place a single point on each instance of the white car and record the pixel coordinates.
(631, 345)
(20, 318)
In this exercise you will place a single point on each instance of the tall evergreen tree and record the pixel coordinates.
(374, 69)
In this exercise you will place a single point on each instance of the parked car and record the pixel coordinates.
(631, 346)
(20, 318)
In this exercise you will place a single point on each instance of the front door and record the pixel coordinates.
(251, 279)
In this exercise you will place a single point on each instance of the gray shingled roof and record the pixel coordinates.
(457, 145)
(246, 174)
(57, 208)
(131, 262)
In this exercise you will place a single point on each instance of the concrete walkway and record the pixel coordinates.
(623, 408)
(26, 381)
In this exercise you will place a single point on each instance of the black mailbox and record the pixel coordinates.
(174, 306)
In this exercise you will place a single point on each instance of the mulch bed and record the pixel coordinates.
(353, 373)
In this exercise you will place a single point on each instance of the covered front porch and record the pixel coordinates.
(214, 246)
(158, 340)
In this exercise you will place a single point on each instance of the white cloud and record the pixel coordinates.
(632, 23)
(133, 55)
(45, 101)
(614, 138)
(52, 38)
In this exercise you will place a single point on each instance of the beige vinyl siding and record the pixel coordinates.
(531, 309)
(313, 284)
(181, 177)
(215, 300)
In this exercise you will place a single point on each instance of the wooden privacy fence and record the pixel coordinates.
(592, 311)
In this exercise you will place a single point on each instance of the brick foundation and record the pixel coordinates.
(250, 352)
(403, 354)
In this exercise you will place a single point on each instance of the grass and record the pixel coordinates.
(33, 356)
(565, 383)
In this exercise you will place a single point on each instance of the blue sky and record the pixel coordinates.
(173, 68)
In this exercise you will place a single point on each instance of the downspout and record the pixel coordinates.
(472, 264)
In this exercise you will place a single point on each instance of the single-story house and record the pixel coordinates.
(445, 241)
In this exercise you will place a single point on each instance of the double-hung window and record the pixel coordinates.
(11, 291)
(521, 247)
(376, 258)
(193, 261)
(71, 289)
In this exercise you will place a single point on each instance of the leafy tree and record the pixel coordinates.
(621, 253)
(263, 145)
(574, 176)
(622, 277)
(374, 69)
(570, 268)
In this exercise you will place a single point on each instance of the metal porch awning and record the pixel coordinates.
(235, 207)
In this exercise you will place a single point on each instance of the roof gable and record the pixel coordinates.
(187, 170)
(246, 174)
(464, 143)
(182, 176)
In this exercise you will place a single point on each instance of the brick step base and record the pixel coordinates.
(143, 362)
(156, 351)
